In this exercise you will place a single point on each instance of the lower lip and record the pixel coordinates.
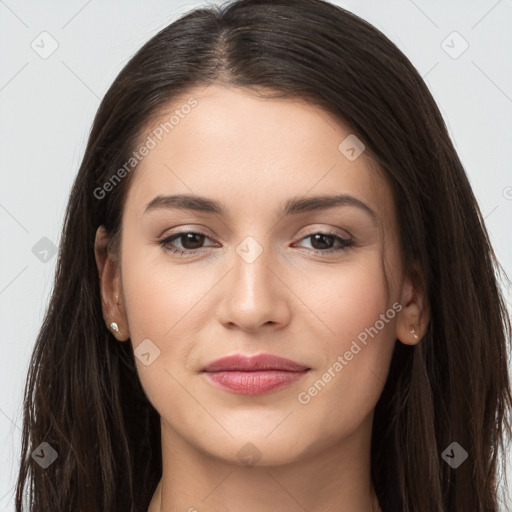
(254, 383)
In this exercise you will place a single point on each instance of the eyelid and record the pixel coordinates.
(178, 234)
(346, 242)
(311, 231)
(188, 228)
(317, 228)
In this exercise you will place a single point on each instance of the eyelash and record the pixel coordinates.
(345, 242)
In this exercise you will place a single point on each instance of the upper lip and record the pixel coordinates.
(260, 362)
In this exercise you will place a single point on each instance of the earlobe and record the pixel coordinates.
(110, 287)
(410, 338)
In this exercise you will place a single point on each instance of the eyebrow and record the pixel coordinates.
(292, 206)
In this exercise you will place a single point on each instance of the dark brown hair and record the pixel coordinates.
(83, 395)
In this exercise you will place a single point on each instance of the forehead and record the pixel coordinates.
(250, 152)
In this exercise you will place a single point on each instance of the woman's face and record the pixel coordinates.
(254, 279)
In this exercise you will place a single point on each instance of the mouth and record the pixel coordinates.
(254, 375)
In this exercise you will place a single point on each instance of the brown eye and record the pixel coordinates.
(190, 242)
(325, 242)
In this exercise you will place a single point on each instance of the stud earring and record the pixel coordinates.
(114, 327)
(413, 332)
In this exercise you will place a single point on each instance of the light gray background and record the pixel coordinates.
(47, 107)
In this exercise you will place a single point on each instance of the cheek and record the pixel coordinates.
(159, 303)
(159, 296)
(350, 299)
(357, 352)
(169, 305)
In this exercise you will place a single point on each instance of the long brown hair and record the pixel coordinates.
(83, 395)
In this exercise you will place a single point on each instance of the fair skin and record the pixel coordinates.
(253, 155)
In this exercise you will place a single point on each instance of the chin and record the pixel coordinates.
(260, 451)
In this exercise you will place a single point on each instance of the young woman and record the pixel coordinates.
(275, 289)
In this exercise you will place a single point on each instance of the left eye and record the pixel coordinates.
(191, 242)
(321, 240)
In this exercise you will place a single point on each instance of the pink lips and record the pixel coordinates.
(254, 375)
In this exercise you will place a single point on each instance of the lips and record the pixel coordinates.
(254, 375)
(239, 362)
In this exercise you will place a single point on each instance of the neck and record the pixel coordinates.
(337, 478)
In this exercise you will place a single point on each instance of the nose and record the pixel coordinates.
(254, 295)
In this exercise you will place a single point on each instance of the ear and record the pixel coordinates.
(110, 286)
(412, 322)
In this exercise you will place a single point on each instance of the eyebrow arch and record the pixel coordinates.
(292, 206)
